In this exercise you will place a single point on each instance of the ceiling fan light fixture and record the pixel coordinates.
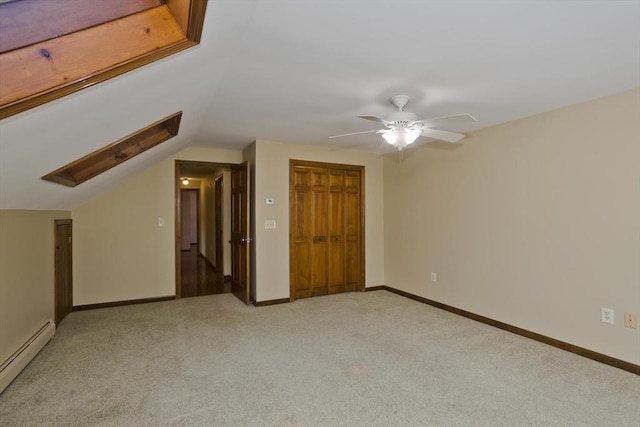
(400, 138)
(402, 128)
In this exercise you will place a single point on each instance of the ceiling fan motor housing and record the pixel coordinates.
(403, 127)
(402, 118)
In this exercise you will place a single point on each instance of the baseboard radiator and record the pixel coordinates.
(21, 358)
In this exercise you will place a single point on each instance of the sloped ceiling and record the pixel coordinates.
(300, 71)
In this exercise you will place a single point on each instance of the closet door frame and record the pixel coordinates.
(293, 163)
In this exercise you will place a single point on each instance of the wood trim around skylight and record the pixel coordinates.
(101, 160)
(47, 70)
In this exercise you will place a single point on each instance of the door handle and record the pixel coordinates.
(247, 240)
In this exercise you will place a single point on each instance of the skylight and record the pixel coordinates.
(68, 45)
(27, 22)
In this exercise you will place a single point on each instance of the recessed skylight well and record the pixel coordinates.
(120, 151)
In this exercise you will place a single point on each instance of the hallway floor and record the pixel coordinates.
(199, 277)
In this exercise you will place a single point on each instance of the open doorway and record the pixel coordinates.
(203, 206)
(197, 275)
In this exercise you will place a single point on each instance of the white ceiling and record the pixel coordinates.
(299, 71)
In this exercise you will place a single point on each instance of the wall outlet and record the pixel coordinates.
(631, 320)
(160, 222)
(607, 315)
(434, 277)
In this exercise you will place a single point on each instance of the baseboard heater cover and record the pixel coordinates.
(11, 367)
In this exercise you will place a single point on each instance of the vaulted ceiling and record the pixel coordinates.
(300, 71)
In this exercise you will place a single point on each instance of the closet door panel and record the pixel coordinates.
(352, 261)
(352, 231)
(301, 265)
(336, 237)
(301, 234)
(320, 244)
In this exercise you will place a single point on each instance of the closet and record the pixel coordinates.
(326, 228)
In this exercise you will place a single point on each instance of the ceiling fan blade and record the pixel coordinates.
(442, 135)
(449, 121)
(359, 133)
(373, 119)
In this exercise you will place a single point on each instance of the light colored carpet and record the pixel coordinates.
(356, 359)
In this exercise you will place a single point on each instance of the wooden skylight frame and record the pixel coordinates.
(120, 151)
(27, 22)
(47, 70)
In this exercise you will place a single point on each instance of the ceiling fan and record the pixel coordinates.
(403, 128)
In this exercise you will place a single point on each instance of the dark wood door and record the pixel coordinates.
(219, 255)
(63, 269)
(240, 232)
(326, 229)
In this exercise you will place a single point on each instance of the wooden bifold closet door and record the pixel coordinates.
(326, 228)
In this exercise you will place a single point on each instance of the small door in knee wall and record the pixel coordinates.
(63, 294)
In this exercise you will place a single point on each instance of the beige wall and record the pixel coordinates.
(26, 275)
(120, 253)
(272, 180)
(535, 223)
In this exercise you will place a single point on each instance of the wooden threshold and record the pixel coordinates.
(112, 155)
(580, 351)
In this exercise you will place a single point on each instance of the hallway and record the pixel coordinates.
(199, 277)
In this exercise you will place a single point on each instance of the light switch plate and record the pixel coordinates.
(270, 201)
(269, 224)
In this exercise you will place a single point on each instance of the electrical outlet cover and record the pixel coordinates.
(607, 315)
(631, 320)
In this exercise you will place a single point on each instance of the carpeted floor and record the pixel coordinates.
(356, 359)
